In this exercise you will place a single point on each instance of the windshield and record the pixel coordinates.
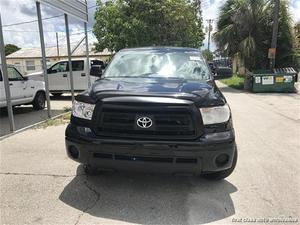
(188, 65)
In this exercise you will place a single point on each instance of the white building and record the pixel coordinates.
(29, 60)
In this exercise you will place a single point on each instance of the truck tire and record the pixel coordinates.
(224, 173)
(39, 101)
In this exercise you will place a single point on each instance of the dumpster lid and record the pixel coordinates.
(288, 70)
(261, 71)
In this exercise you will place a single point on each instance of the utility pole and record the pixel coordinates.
(210, 28)
(57, 46)
(272, 51)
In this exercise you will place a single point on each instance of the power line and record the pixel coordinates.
(80, 32)
(31, 31)
(74, 34)
(54, 45)
(33, 21)
(61, 39)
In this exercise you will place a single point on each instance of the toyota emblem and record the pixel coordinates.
(144, 122)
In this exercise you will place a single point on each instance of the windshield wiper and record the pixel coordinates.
(144, 75)
(154, 75)
(120, 77)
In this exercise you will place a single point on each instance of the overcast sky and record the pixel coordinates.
(26, 35)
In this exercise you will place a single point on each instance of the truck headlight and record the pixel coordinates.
(218, 114)
(82, 110)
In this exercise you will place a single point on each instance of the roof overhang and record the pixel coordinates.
(76, 8)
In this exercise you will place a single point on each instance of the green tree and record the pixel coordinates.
(208, 55)
(10, 48)
(286, 55)
(245, 27)
(297, 39)
(133, 23)
(297, 30)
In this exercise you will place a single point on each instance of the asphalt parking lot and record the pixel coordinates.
(40, 185)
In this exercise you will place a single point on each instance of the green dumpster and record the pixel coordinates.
(278, 80)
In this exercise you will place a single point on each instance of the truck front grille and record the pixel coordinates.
(159, 159)
(168, 122)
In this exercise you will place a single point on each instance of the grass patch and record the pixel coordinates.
(236, 81)
(55, 122)
(67, 109)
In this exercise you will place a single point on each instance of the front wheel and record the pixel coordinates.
(39, 101)
(224, 173)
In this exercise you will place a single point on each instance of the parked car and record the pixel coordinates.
(154, 109)
(220, 70)
(22, 90)
(59, 78)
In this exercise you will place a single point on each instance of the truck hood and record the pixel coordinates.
(37, 76)
(196, 91)
(40, 73)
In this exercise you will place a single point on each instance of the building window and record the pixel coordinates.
(30, 65)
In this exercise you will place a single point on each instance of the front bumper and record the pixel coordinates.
(199, 156)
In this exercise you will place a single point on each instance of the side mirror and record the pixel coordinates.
(49, 71)
(96, 71)
(25, 78)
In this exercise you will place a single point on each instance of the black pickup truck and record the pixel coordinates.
(220, 69)
(153, 109)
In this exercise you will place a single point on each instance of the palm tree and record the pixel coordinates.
(244, 26)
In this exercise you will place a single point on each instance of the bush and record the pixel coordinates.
(236, 81)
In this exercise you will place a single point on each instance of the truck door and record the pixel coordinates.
(79, 75)
(28, 87)
(17, 84)
(58, 76)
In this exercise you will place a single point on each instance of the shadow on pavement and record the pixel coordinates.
(64, 97)
(149, 198)
(61, 98)
(290, 95)
(24, 116)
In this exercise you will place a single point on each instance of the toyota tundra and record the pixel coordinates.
(153, 109)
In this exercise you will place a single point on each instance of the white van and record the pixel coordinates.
(22, 90)
(59, 77)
